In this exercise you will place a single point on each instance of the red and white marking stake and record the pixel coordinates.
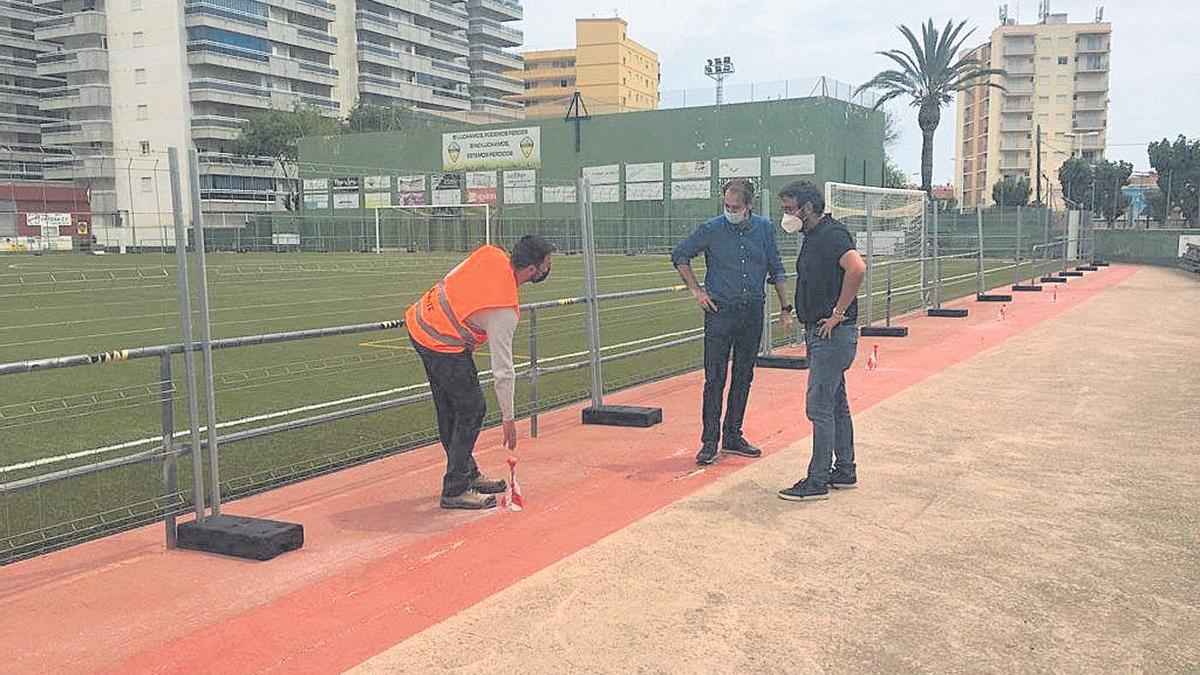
(512, 495)
(873, 359)
(1054, 294)
(1001, 315)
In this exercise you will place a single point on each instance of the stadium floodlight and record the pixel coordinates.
(718, 69)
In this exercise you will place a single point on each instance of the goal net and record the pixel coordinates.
(889, 226)
(429, 228)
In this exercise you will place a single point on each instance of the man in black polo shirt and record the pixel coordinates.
(740, 254)
(828, 274)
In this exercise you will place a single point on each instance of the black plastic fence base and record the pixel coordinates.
(622, 416)
(1101, 263)
(884, 331)
(1070, 273)
(1053, 280)
(1087, 268)
(1026, 288)
(782, 362)
(241, 537)
(947, 313)
(993, 297)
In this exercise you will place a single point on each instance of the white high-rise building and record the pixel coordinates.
(21, 154)
(145, 75)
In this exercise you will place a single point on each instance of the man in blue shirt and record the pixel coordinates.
(740, 254)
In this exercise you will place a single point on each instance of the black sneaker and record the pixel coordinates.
(804, 491)
(707, 455)
(741, 447)
(843, 480)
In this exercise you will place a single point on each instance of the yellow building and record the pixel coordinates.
(1057, 79)
(611, 71)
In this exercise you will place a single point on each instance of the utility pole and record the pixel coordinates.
(1039, 164)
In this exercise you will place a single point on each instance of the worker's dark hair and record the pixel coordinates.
(741, 187)
(804, 191)
(531, 250)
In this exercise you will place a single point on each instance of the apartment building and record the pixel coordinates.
(1056, 82)
(610, 71)
(21, 153)
(144, 75)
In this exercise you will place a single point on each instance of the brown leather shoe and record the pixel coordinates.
(469, 500)
(488, 486)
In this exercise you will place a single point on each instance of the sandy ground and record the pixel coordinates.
(1036, 508)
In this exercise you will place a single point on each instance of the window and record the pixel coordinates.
(145, 147)
(1044, 99)
(1043, 79)
(139, 39)
(1060, 99)
(1061, 79)
(139, 76)
(562, 83)
(143, 112)
(1062, 60)
(147, 184)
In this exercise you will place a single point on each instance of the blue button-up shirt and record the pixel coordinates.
(738, 259)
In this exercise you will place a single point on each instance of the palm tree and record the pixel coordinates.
(930, 75)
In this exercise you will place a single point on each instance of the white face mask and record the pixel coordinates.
(791, 223)
(735, 217)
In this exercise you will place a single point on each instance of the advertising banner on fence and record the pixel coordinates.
(520, 186)
(481, 187)
(644, 173)
(376, 200)
(517, 148)
(691, 189)
(558, 194)
(447, 189)
(794, 165)
(643, 192)
(689, 170)
(610, 174)
(411, 189)
(316, 200)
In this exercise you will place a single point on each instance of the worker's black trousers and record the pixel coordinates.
(458, 400)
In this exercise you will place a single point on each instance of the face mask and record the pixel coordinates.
(735, 217)
(791, 223)
(540, 276)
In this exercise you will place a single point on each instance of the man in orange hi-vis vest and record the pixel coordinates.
(475, 303)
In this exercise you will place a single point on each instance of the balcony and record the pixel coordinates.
(1091, 65)
(494, 56)
(1091, 44)
(231, 93)
(497, 83)
(1021, 143)
(73, 61)
(1014, 162)
(390, 88)
(215, 127)
(451, 71)
(82, 96)
(1023, 86)
(458, 47)
(1016, 125)
(1022, 105)
(1024, 68)
(1091, 103)
(486, 30)
(77, 167)
(499, 10)
(1091, 83)
(84, 132)
(70, 25)
(1019, 48)
(455, 18)
(1089, 122)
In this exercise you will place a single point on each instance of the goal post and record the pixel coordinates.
(432, 227)
(890, 229)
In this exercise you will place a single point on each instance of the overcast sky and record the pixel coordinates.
(1154, 83)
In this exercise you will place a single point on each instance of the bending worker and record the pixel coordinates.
(741, 254)
(476, 302)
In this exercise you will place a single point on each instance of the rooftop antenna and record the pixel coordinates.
(1100, 14)
(1043, 10)
(1003, 15)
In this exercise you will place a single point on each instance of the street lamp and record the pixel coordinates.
(718, 69)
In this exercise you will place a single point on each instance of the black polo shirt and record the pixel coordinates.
(819, 274)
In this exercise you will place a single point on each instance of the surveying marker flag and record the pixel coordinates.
(873, 359)
(512, 494)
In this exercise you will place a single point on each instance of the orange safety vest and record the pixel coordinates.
(485, 280)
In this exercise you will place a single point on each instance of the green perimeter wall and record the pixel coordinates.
(1155, 247)
(846, 140)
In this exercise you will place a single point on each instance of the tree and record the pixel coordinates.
(1096, 187)
(929, 76)
(365, 117)
(1075, 177)
(1178, 168)
(1011, 192)
(276, 134)
(893, 176)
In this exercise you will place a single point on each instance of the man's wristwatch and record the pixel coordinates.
(787, 309)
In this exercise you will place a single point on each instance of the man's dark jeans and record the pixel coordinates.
(737, 328)
(826, 403)
(460, 406)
